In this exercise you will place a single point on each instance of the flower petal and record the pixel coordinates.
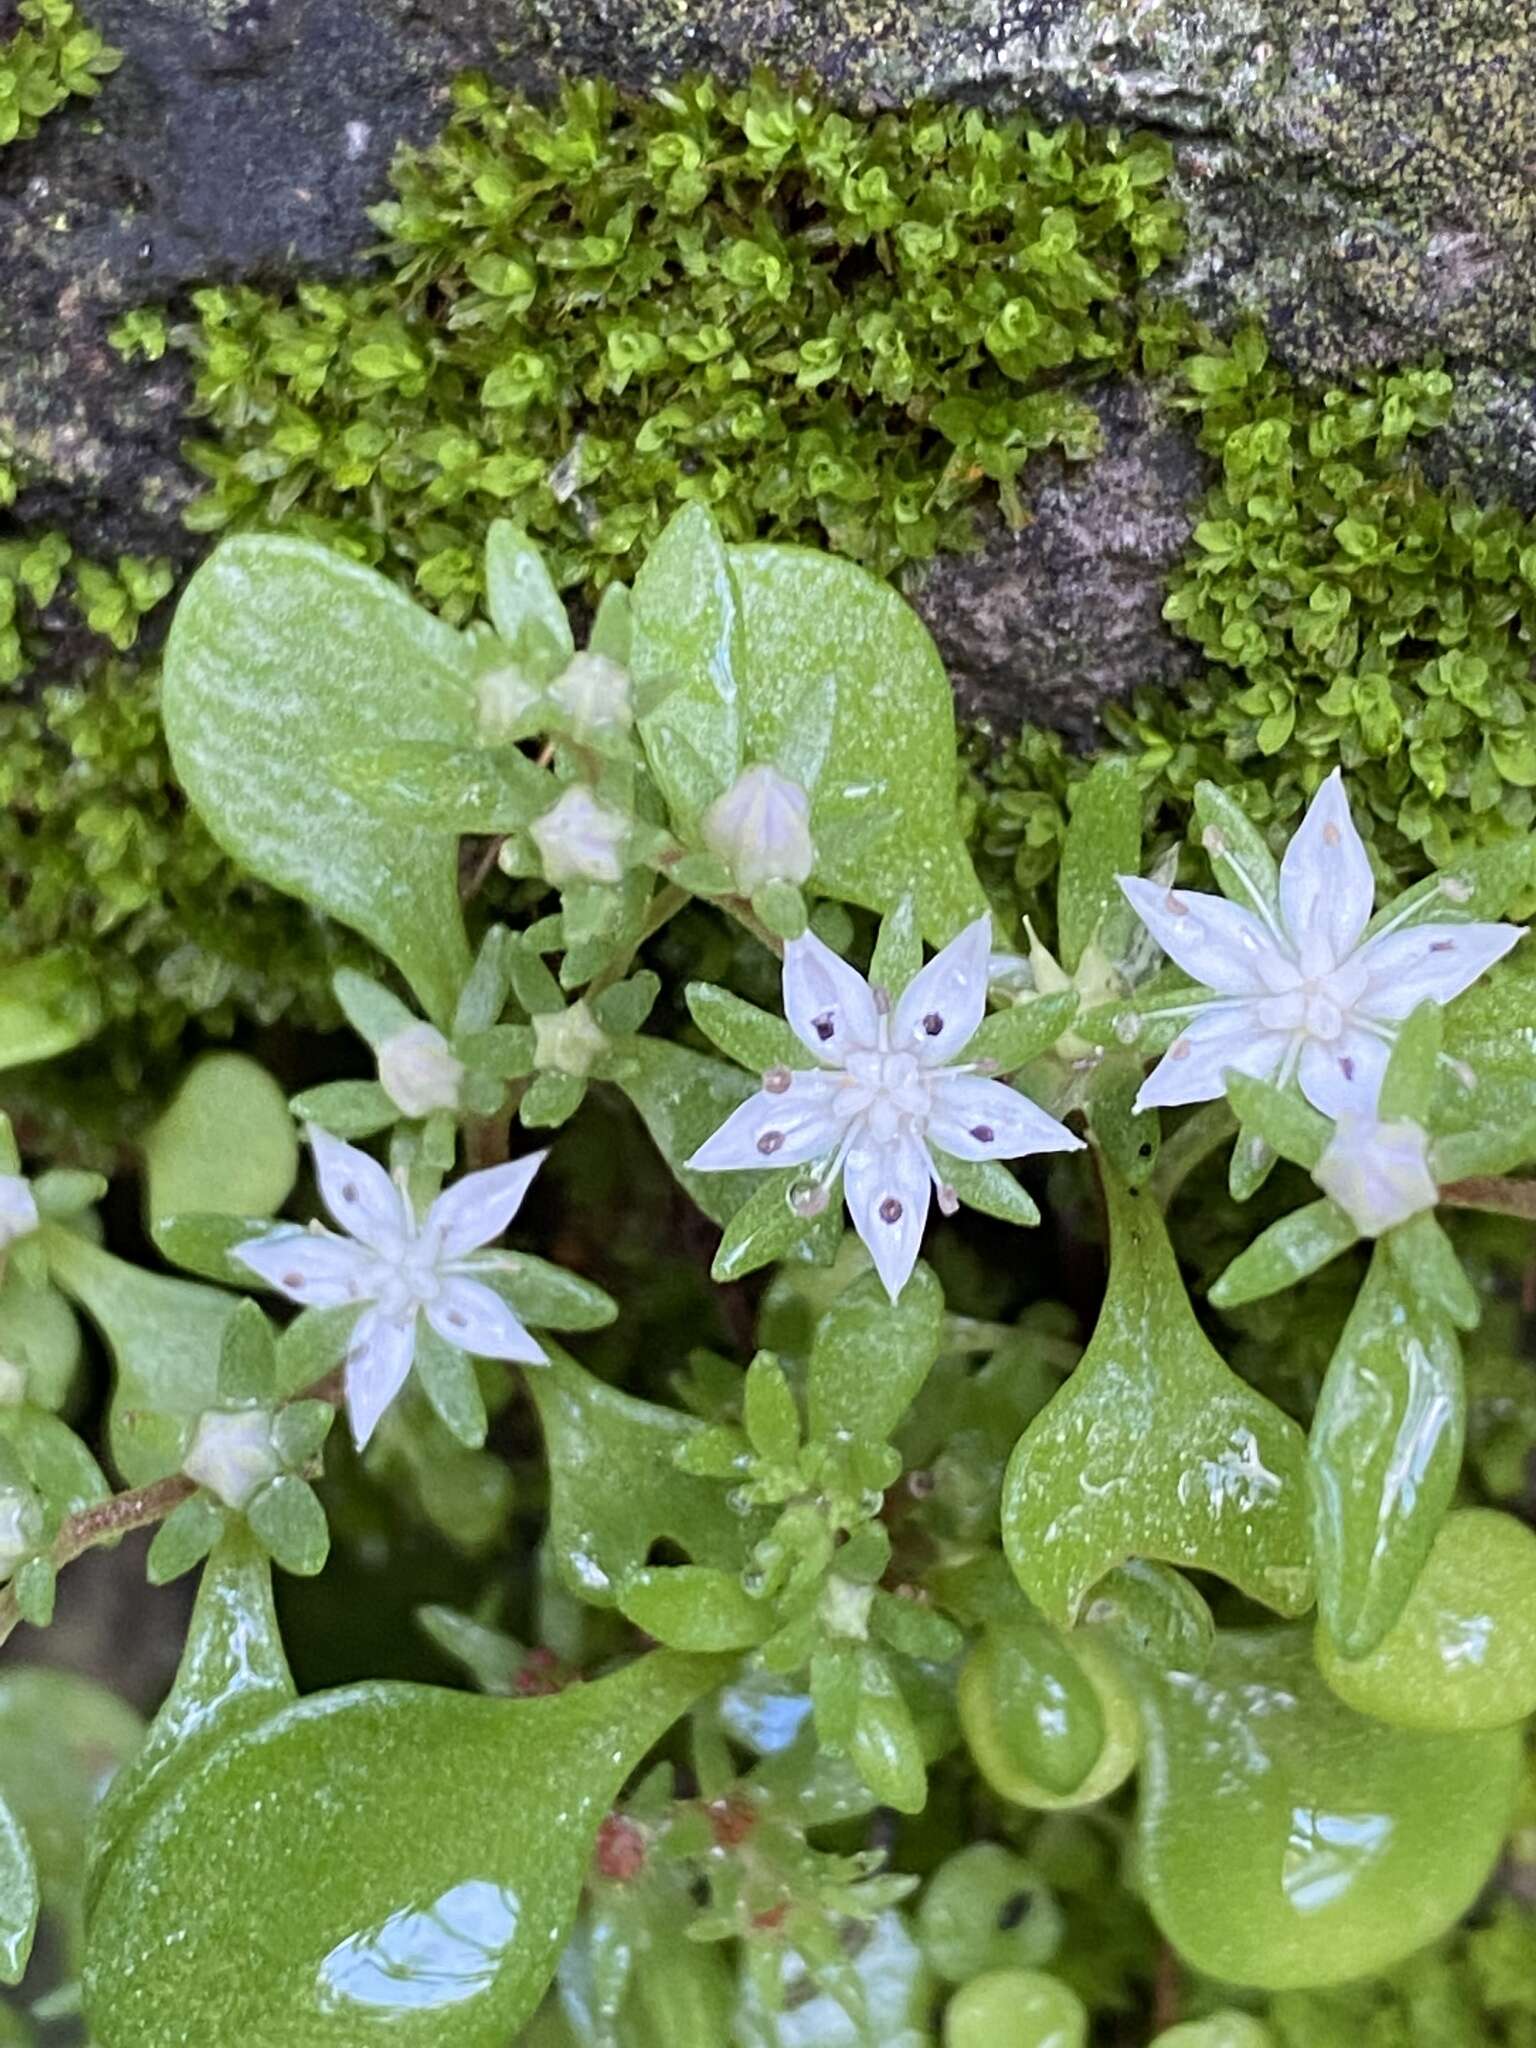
(973, 1118)
(1220, 1036)
(470, 1316)
(886, 1188)
(478, 1208)
(1344, 1076)
(378, 1360)
(1428, 962)
(784, 1129)
(1214, 941)
(828, 1003)
(941, 1007)
(309, 1266)
(1326, 885)
(360, 1194)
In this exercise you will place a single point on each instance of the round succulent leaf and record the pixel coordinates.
(1286, 1841)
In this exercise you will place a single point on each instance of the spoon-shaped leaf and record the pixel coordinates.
(1155, 1448)
(388, 1863)
(164, 1336)
(284, 653)
(1286, 1840)
(615, 1489)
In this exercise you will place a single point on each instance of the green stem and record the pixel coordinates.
(1190, 1146)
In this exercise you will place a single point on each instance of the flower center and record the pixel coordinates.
(885, 1089)
(1316, 1005)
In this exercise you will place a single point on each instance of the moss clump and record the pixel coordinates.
(107, 864)
(52, 57)
(1352, 613)
(831, 328)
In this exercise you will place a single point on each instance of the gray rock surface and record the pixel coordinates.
(1362, 172)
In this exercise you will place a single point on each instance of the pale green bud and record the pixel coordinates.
(232, 1454)
(760, 828)
(418, 1071)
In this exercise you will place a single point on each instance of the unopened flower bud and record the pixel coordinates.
(504, 698)
(1377, 1172)
(232, 1453)
(760, 829)
(18, 1210)
(581, 840)
(418, 1071)
(568, 1041)
(594, 693)
(21, 1527)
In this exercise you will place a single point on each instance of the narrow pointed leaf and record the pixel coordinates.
(1282, 1118)
(1301, 1243)
(1103, 840)
(688, 655)
(1385, 1454)
(1154, 1448)
(754, 1038)
(524, 605)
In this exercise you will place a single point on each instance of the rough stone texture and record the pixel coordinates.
(1062, 613)
(1363, 172)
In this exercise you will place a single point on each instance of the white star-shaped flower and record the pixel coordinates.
(400, 1268)
(885, 1095)
(1296, 995)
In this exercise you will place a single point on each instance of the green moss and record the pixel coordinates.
(830, 328)
(52, 57)
(1351, 612)
(846, 330)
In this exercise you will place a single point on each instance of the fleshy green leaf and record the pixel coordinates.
(1385, 1452)
(524, 604)
(683, 1097)
(1285, 1840)
(1103, 840)
(1015, 1036)
(225, 1145)
(692, 1607)
(768, 1227)
(870, 1356)
(434, 1846)
(39, 1332)
(47, 1005)
(1239, 854)
(233, 1673)
(288, 1521)
(1408, 1085)
(689, 660)
(1299, 1244)
(347, 1109)
(184, 1539)
(750, 1036)
(988, 1186)
(164, 1335)
(20, 1899)
(1286, 1122)
(61, 1739)
(1155, 1449)
(548, 1297)
(448, 1380)
(615, 1488)
(829, 643)
(281, 654)
(442, 788)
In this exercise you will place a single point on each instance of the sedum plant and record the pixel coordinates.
(939, 1637)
